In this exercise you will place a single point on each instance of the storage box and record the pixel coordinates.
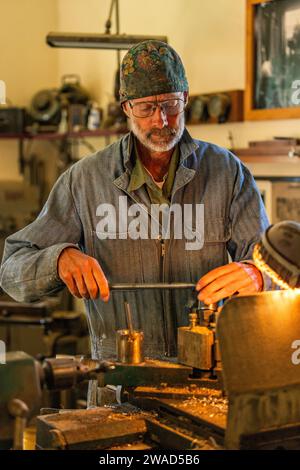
(12, 120)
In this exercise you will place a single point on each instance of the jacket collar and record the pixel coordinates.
(187, 147)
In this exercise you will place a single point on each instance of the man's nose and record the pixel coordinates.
(159, 117)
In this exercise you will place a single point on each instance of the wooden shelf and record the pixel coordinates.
(69, 137)
(268, 159)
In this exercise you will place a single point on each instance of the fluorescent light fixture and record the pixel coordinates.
(97, 41)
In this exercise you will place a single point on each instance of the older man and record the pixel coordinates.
(157, 164)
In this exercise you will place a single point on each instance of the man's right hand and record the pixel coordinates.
(82, 275)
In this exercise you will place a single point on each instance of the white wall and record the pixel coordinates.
(27, 65)
(208, 35)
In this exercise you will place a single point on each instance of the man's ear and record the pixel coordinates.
(124, 107)
(186, 97)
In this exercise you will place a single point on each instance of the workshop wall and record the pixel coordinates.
(199, 30)
(26, 63)
(210, 37)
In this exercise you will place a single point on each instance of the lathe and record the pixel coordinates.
(234, 385)
(165, 404)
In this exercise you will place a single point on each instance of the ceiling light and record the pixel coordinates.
(101, 41)
(97, 41)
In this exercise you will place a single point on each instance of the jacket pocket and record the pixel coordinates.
(213, 253)
(216, 230)
(118, 255)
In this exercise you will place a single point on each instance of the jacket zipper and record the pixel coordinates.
(162, 257)
(162, 278)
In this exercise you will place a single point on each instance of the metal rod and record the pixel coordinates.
(117, 16)
(118, 30)
(128, 318)
(157, 285)
(108, 21)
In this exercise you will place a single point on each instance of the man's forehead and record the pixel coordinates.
(165, 96)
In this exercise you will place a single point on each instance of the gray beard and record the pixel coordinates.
(145, 138)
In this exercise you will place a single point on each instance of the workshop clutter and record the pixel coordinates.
(65, 109)
(215, 108)
(69, 108)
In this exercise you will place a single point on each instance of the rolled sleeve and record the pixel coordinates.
(267, 281)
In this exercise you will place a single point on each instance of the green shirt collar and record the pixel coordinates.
(140, 176)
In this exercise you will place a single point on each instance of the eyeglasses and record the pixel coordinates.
(147, 108)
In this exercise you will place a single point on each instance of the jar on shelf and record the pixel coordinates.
(94, 118)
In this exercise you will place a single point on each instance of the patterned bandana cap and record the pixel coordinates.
(151, 68)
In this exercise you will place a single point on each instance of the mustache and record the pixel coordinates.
(165, 132)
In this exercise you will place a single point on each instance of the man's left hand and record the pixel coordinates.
(233, 278)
